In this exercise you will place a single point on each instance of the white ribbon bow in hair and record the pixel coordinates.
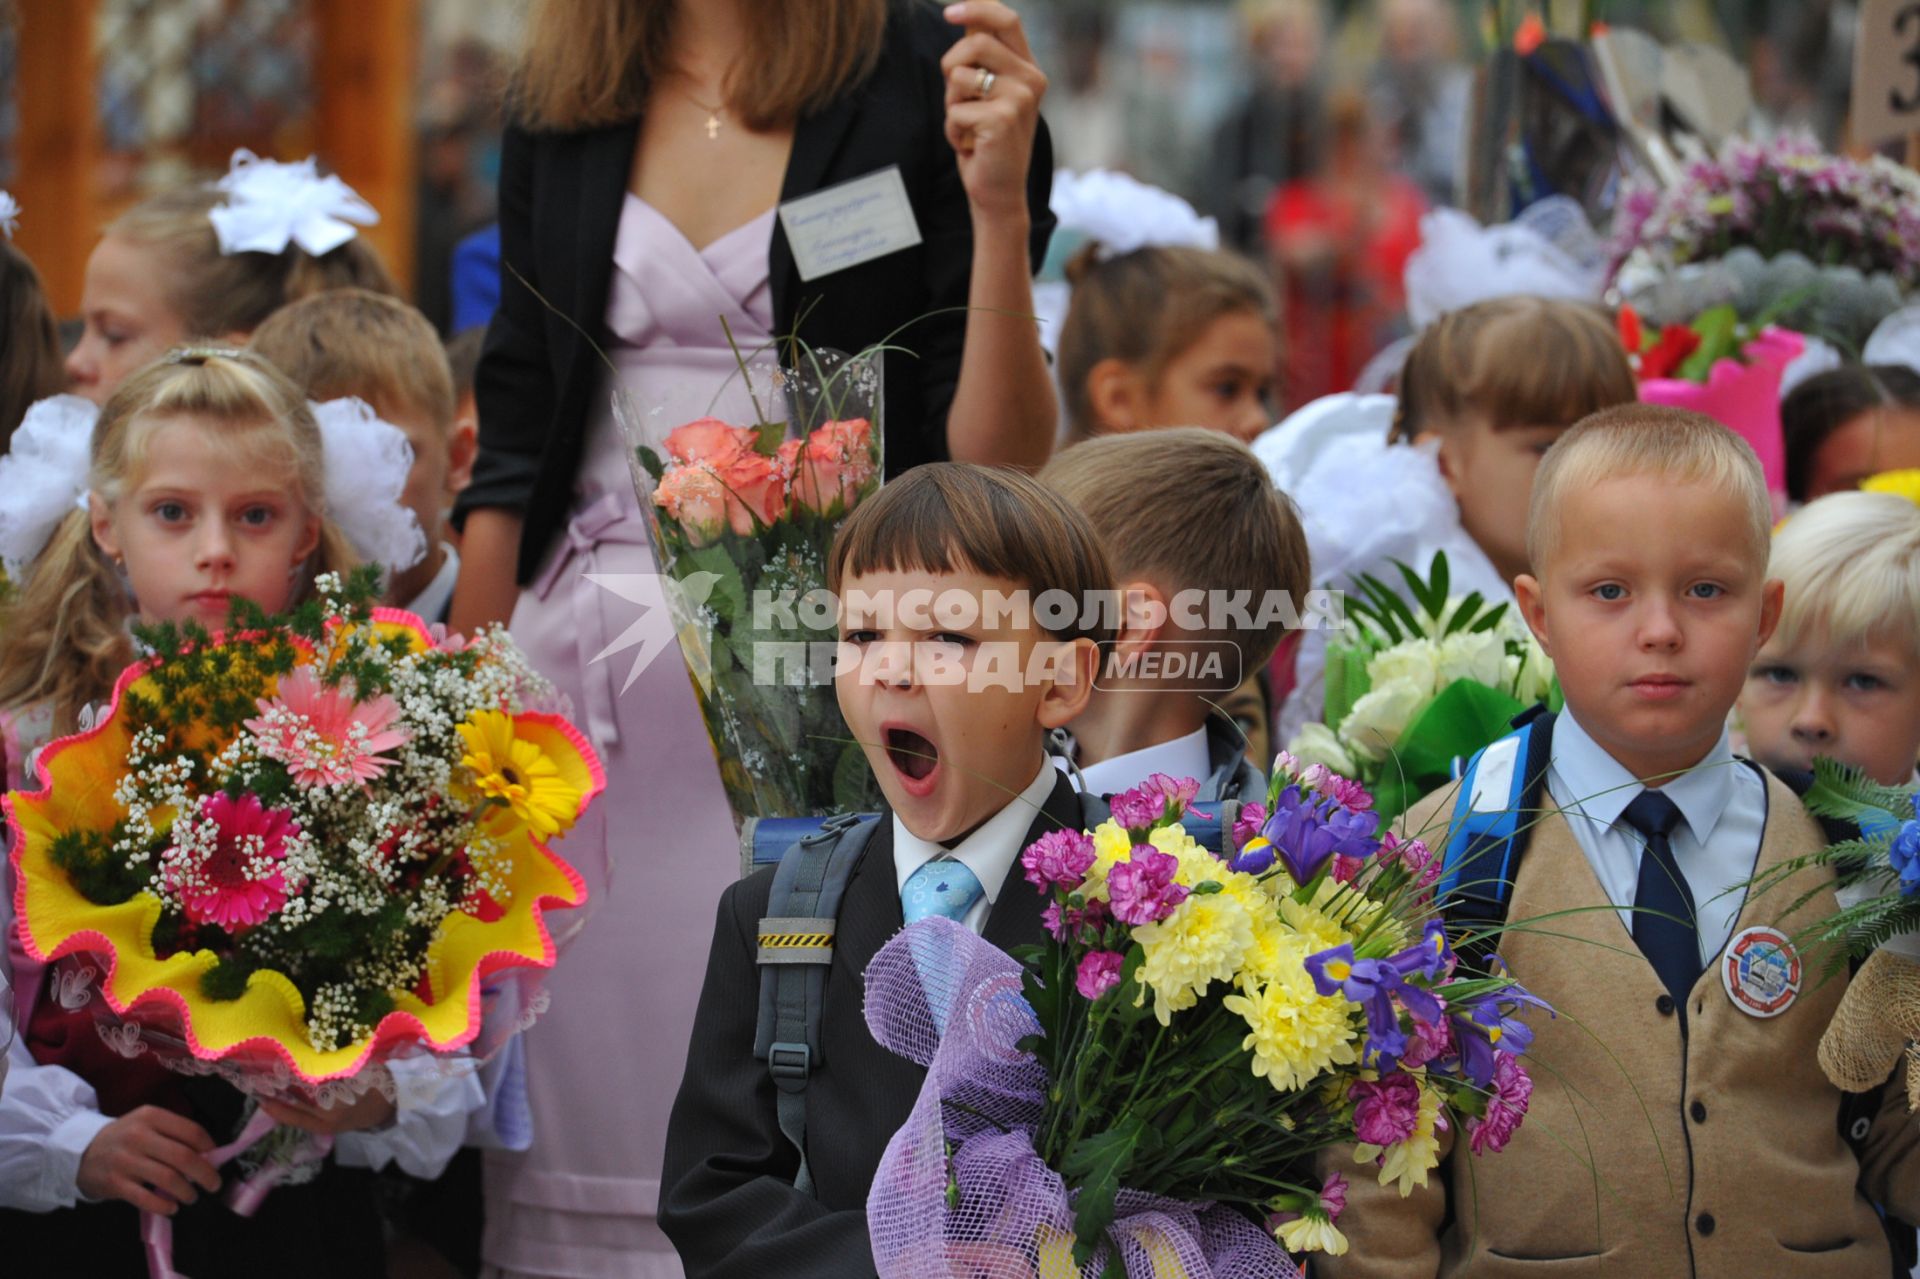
(9, 213)
(271, 205)
(43, 477)
(367, 464)
(1125, 214)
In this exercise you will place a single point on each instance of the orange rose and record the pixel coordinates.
(756, 490)
(696, 500)
(708, 440)
(833, 465)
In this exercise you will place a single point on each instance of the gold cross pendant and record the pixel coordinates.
(713, 127)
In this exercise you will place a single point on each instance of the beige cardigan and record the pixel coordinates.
(1650, 1150)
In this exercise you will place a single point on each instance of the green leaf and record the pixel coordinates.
(1719, 330)
(1391, 603)
(1095, 1166)
(1346, 682)
(651, 461)
(1463, 718)
(1488, 622)
(1421, 592)
(768, 436)
(1463, 615)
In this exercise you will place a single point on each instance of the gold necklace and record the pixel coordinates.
(714, 113)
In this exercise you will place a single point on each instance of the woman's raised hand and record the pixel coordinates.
(994, 89)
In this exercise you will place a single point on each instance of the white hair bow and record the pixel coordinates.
(44, 476)
(1125, 214)
(9, 213)
(271, 205)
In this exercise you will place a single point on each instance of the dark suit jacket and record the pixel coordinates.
(727, 1197)
(560, 201)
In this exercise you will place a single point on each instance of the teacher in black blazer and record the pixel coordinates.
(693, 101)
(653, 142)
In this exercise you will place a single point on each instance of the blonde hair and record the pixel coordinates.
(1145, 308)
(1851, 566)
(1675, 445)
(64, 639)
(356, 342)
(1194, 510)
(1520, 361)
(216, 293)
(589, 63)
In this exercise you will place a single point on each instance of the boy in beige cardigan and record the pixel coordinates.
(1680, 1124)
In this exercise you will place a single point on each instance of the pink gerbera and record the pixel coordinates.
(227, 867)
(325, 736)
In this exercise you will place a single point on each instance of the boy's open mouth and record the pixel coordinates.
(912, 753)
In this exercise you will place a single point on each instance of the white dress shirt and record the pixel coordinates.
(1182, 757)
(431, 603)
(989, 852)
(49, 1116)
(1723, 811)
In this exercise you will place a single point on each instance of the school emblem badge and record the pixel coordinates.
(1761, 971)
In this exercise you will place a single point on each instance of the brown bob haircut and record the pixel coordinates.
(32, 366)
(1521, 361)
(1189, 509)
(591, 62)
(357, 342)
(947, 517)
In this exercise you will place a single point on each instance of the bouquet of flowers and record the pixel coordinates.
(1877, 927)
(742, 517)
(305, 845)
(1144, 1094)
(1416, 686)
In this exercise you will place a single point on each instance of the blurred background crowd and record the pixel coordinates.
(1315, 131)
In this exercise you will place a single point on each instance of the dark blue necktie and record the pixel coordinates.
(1665, 926)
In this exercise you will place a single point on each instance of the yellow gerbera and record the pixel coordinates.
(1902, 483)
(513, 771)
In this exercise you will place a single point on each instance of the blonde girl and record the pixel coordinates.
(214, 261)
(206, 481)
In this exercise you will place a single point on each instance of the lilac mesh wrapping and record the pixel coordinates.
(942, 997)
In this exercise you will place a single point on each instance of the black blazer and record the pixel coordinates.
(727, 1198)
(560, 201)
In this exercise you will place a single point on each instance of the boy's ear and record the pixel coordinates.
(1144, 617)
(463, 445)
(1526, 589)
(1069, 685)
(1116, 394)
(100, 519)
(1773, 597)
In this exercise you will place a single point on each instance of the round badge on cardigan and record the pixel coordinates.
(1761, 971)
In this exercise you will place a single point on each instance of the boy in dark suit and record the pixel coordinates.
(951, 683)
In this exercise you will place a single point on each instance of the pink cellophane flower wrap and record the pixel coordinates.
(942, 997)
(1744, 397)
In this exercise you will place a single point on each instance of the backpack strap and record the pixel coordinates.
(795, 943)
(1493, 814)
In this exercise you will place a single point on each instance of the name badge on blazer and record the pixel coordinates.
(853, 222)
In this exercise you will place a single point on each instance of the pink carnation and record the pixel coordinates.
(1247, 825)
(1386, 1110)
(1143, 805)
(1067, 921)
(1347, 793)
(1142, 890)
(324, 735)
(1420, 861)
(1506, 1107)
(233, 879)
(1333, 1197)
(1428, 1042)
(1059, 857)
(1099, 972)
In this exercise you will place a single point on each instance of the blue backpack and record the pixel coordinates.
(1498, 800)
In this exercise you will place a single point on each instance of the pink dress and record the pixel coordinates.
(605, 1060)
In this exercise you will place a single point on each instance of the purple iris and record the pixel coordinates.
(1488, 1026)
(1306, 830)
(1371, 983)
(1253, 861)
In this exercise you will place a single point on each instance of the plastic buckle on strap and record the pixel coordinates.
(789, 1063)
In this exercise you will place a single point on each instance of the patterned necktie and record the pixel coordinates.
(1665, 924)
(942, 887)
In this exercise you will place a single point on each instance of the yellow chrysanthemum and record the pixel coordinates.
(1408, 1162)
(1314, 1232)
(1111, 846)
(1295, 1031)
(1203, 941)
(515, 772)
